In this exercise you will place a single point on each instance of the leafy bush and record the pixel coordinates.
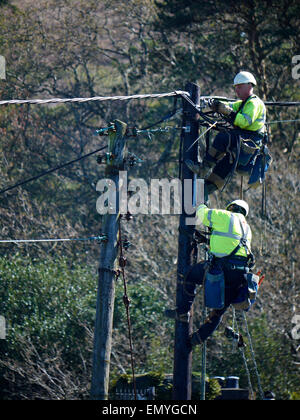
(49, 307)
(46, 300)
(49, 311)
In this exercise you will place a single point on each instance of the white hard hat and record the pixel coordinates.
(240, 203)
(244, 77)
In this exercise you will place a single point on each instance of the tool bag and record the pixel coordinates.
(260, 166)
(248, 150)
(248, 292)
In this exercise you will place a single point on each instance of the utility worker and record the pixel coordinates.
(227, 250)
(234, 148)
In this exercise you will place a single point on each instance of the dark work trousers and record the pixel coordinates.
(234, 279)
(226, 143)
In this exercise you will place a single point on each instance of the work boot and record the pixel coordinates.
(209, 188)
(199, 169)
(195, 339)
(172, 313)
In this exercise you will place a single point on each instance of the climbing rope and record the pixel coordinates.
(241, 348)
(263, 218)
(242, 351)
(126, 300)
(203, 355)
(204, 318)
(253, 357)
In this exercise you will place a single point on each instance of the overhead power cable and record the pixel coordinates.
(94, 98)
(183, 94)
(49, 171)
(282, 121)
(125, 98)
(18, 241)
(275, 103)
(282, 103)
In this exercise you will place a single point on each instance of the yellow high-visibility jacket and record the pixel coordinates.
(252, 116)
(227, 230)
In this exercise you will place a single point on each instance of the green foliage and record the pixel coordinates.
(214, 389)
(48, 302)
(274, 361)
(163, 385)
(148, 325)
(295, 396)
(161, 382)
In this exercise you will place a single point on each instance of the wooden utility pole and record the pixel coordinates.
(106, 286)
(182, 354)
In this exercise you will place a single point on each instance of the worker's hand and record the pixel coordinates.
(220, 107)
(214, 104)
(224, 109)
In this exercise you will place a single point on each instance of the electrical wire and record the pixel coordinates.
(49, 171)
(18, 241)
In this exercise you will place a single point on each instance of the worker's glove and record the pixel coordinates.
(224, 109)
(220, 107)
(213, 103)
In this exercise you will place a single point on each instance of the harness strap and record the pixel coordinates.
(243, 242)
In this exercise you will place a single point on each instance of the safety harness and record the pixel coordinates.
(214, 281)
(250, 260)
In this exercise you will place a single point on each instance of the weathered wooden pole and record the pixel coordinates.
(106, 286)
(182, 354)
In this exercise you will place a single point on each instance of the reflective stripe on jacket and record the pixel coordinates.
(252, 116)
(227, 230)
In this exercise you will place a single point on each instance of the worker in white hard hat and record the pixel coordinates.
(247, 116)
(230, 251)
